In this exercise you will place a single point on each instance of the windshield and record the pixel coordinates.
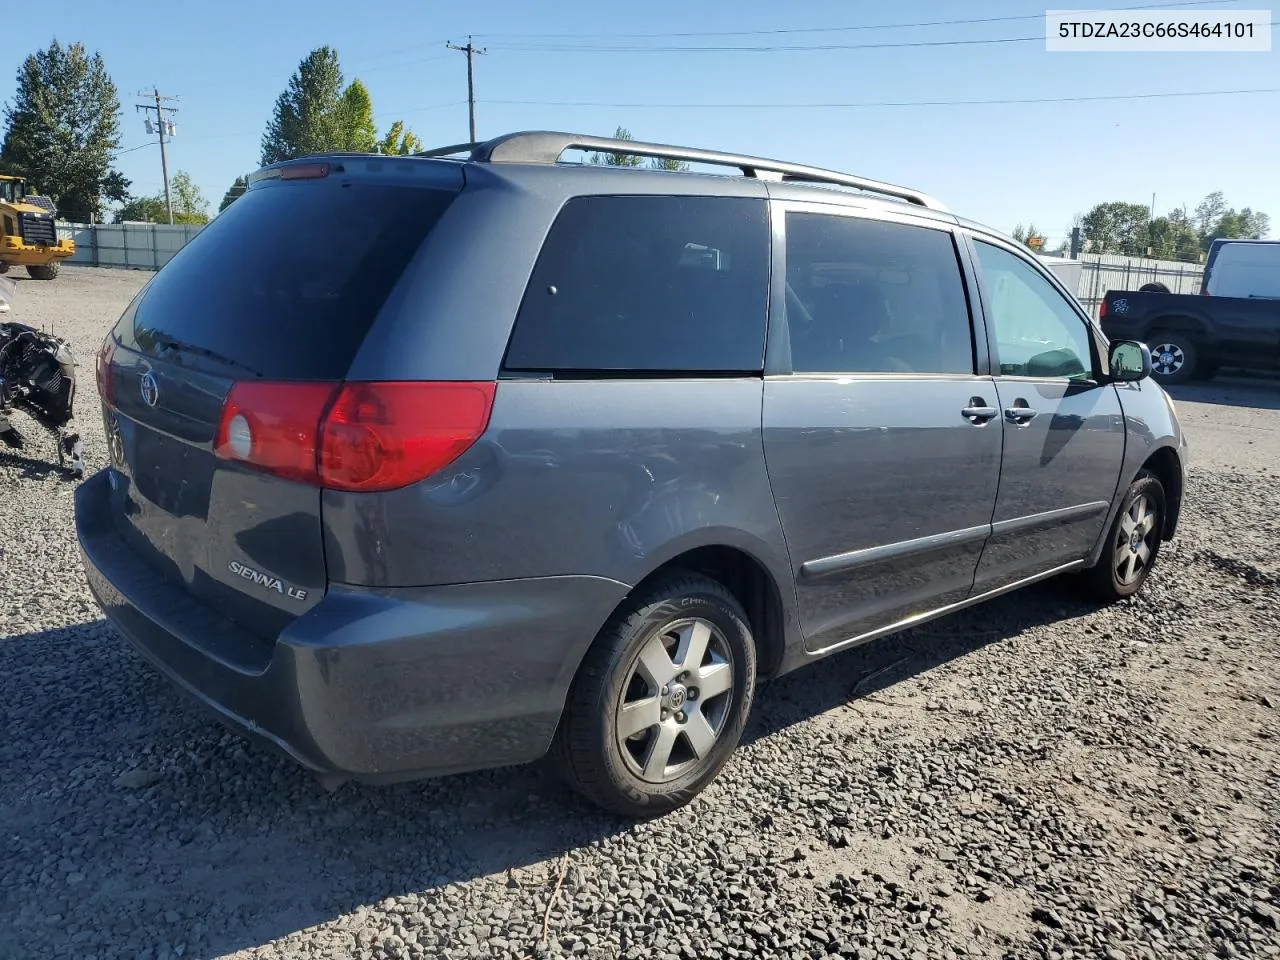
(11, 191)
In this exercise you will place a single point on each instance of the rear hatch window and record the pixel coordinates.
(286, 282)
(282, 286)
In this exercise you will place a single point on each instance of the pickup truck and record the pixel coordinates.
(1191, 335)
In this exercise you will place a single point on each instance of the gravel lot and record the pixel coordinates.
(1035, 778)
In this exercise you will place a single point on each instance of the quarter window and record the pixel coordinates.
(871, 296)
(648, 283)
(1037, 332)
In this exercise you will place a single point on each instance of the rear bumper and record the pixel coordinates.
(377, 685)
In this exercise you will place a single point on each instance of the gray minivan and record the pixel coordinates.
(428, 464)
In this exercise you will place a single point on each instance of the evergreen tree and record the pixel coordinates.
(63, 129)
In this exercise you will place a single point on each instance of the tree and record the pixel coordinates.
(234, 193)
(318, 113)
(1186, 242)
(1255, 223)
(399, 141)
(354, 129)
(1214, 220)
(1117, 227)
(617, 159)
(63, 129)
(189, 204)
(143, 209)
(668, 163)
(631, 160)
(1029, 237)
(1209, 211)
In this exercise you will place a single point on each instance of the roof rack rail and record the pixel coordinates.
(544, 146)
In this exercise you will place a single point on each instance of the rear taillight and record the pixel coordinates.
(352, 436)
(103, 370)
(379, 436)
(274, 427)
(1102, 309)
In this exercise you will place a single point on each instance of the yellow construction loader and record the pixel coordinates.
(28, 236)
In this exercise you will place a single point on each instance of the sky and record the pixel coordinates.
(858, 95)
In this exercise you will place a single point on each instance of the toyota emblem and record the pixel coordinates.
(150, 392)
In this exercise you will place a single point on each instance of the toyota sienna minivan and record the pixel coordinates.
(427, 464)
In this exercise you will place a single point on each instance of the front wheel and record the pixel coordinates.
(660, 700)
(1133, 541)
(43, 272)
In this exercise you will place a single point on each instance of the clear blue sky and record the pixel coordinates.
(999, 163)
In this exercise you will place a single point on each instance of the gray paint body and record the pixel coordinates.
(443, 622)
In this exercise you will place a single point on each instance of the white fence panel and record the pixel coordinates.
(169, 240)
(131, 246)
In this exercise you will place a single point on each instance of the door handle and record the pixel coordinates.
(978, 412)
(1020, 413)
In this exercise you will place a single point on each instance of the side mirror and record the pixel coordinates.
(1130, 361)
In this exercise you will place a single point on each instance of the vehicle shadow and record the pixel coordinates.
(221, 846)
(1231, 389)
(32, 468)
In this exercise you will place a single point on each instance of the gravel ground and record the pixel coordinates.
(1034, 778)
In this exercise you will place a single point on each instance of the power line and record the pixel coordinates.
(796, 30)
(881, 103)
(383, 115)
(771, 48)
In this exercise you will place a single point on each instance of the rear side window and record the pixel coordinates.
(657, 284)
(870, 296)
(286, 282)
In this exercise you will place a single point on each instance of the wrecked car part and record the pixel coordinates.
(38, 377)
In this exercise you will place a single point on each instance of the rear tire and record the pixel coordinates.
(1155, 287)
(1132, 544)
(44, 272)
(676, 666)
(1174, 357)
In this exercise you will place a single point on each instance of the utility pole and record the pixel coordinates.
(161, 123)
(470, 50)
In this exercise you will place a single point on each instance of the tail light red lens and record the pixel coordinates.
(275, 427)
(379, 436)
(352, 436)
(1102, 308)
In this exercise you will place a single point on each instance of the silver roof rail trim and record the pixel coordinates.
(544, 146)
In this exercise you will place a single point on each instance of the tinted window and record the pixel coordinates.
(286, 282)
(866, 296)
(648, 284)
(1037, 332)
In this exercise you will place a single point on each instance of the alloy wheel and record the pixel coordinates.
(1135, 539)
(675, 700)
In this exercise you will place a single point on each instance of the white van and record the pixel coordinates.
(1242, 268)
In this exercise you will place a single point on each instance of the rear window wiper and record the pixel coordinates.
(172, 343)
